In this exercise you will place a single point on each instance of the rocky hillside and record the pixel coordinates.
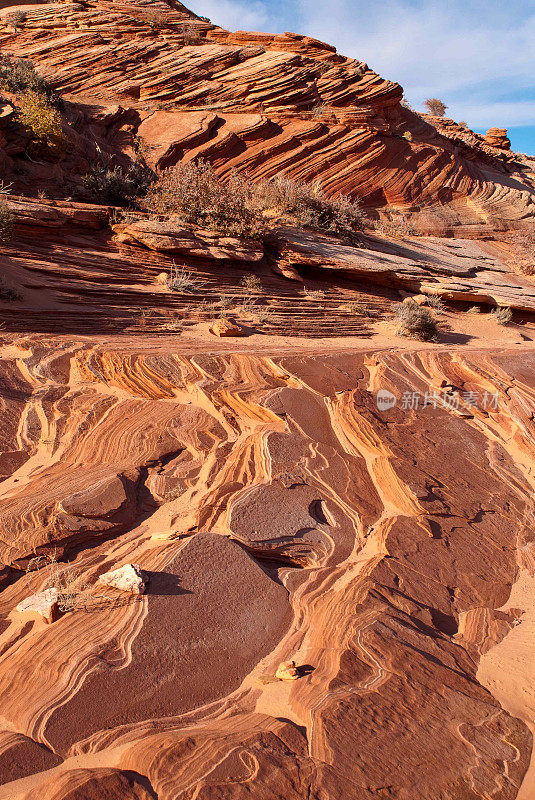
(258, 539)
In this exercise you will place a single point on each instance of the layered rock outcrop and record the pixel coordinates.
(299, 562)
(263, 104)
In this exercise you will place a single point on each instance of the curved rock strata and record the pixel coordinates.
(278, 515)
(263, 104)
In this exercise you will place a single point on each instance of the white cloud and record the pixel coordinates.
(476, 55)
(471, 53)
(234, 15)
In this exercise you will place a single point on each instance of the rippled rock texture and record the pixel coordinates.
(277, 515)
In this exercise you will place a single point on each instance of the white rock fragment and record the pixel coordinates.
(44, 603)
(287, 671)
(128, 578)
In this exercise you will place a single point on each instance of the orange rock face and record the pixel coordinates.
(259, 103)
(497, 137)
(305, 557)
(339, 536)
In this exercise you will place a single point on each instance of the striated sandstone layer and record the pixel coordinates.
(278, 515)
(260, 103)
(265, 583)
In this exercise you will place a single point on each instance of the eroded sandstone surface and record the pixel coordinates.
(266, 582)
(279, 515)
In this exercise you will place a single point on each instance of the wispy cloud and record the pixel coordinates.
(477, 55)
(234, 14)
(468, 52)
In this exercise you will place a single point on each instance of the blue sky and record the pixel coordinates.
(476, 55)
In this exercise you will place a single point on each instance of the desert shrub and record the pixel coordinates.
(415, 321)
(194, 193)
(191, 35)
(118, 186)
(251, 283)
(181, 281)
(68, 580)
(359, 308)
(310, 207)
(156, 19)
(6, 221)
(18, 75)
(8, 294)
(436, 303)
(40, 117)
(435, 106)
(396, 228)
(474, 310)
(503, 315)
(16, 18)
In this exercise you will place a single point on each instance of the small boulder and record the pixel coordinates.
(128, 578)
(287, 671)
(224, 327)
(162, 278)
(420, 299)
(44, 603)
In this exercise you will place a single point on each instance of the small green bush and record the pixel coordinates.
(415, 321)
(18, 75)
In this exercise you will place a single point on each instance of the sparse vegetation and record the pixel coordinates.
(156, 19)
(251, 283)
(396, 228)
(415, 321)
(310, 207)
(6, 221)
(435, 107)
(41, 118)
(181, 281)
(191, 35)
(16, 18)
(503, 315)
(474, 310)
(8, 294)
(194, 192)
(118, 186)
(18, 75)
(359, 308)
(436, 303)
(69, 581)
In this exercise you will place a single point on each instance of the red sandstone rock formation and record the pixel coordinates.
(260, 103)
(338, 594)
(497, 137)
